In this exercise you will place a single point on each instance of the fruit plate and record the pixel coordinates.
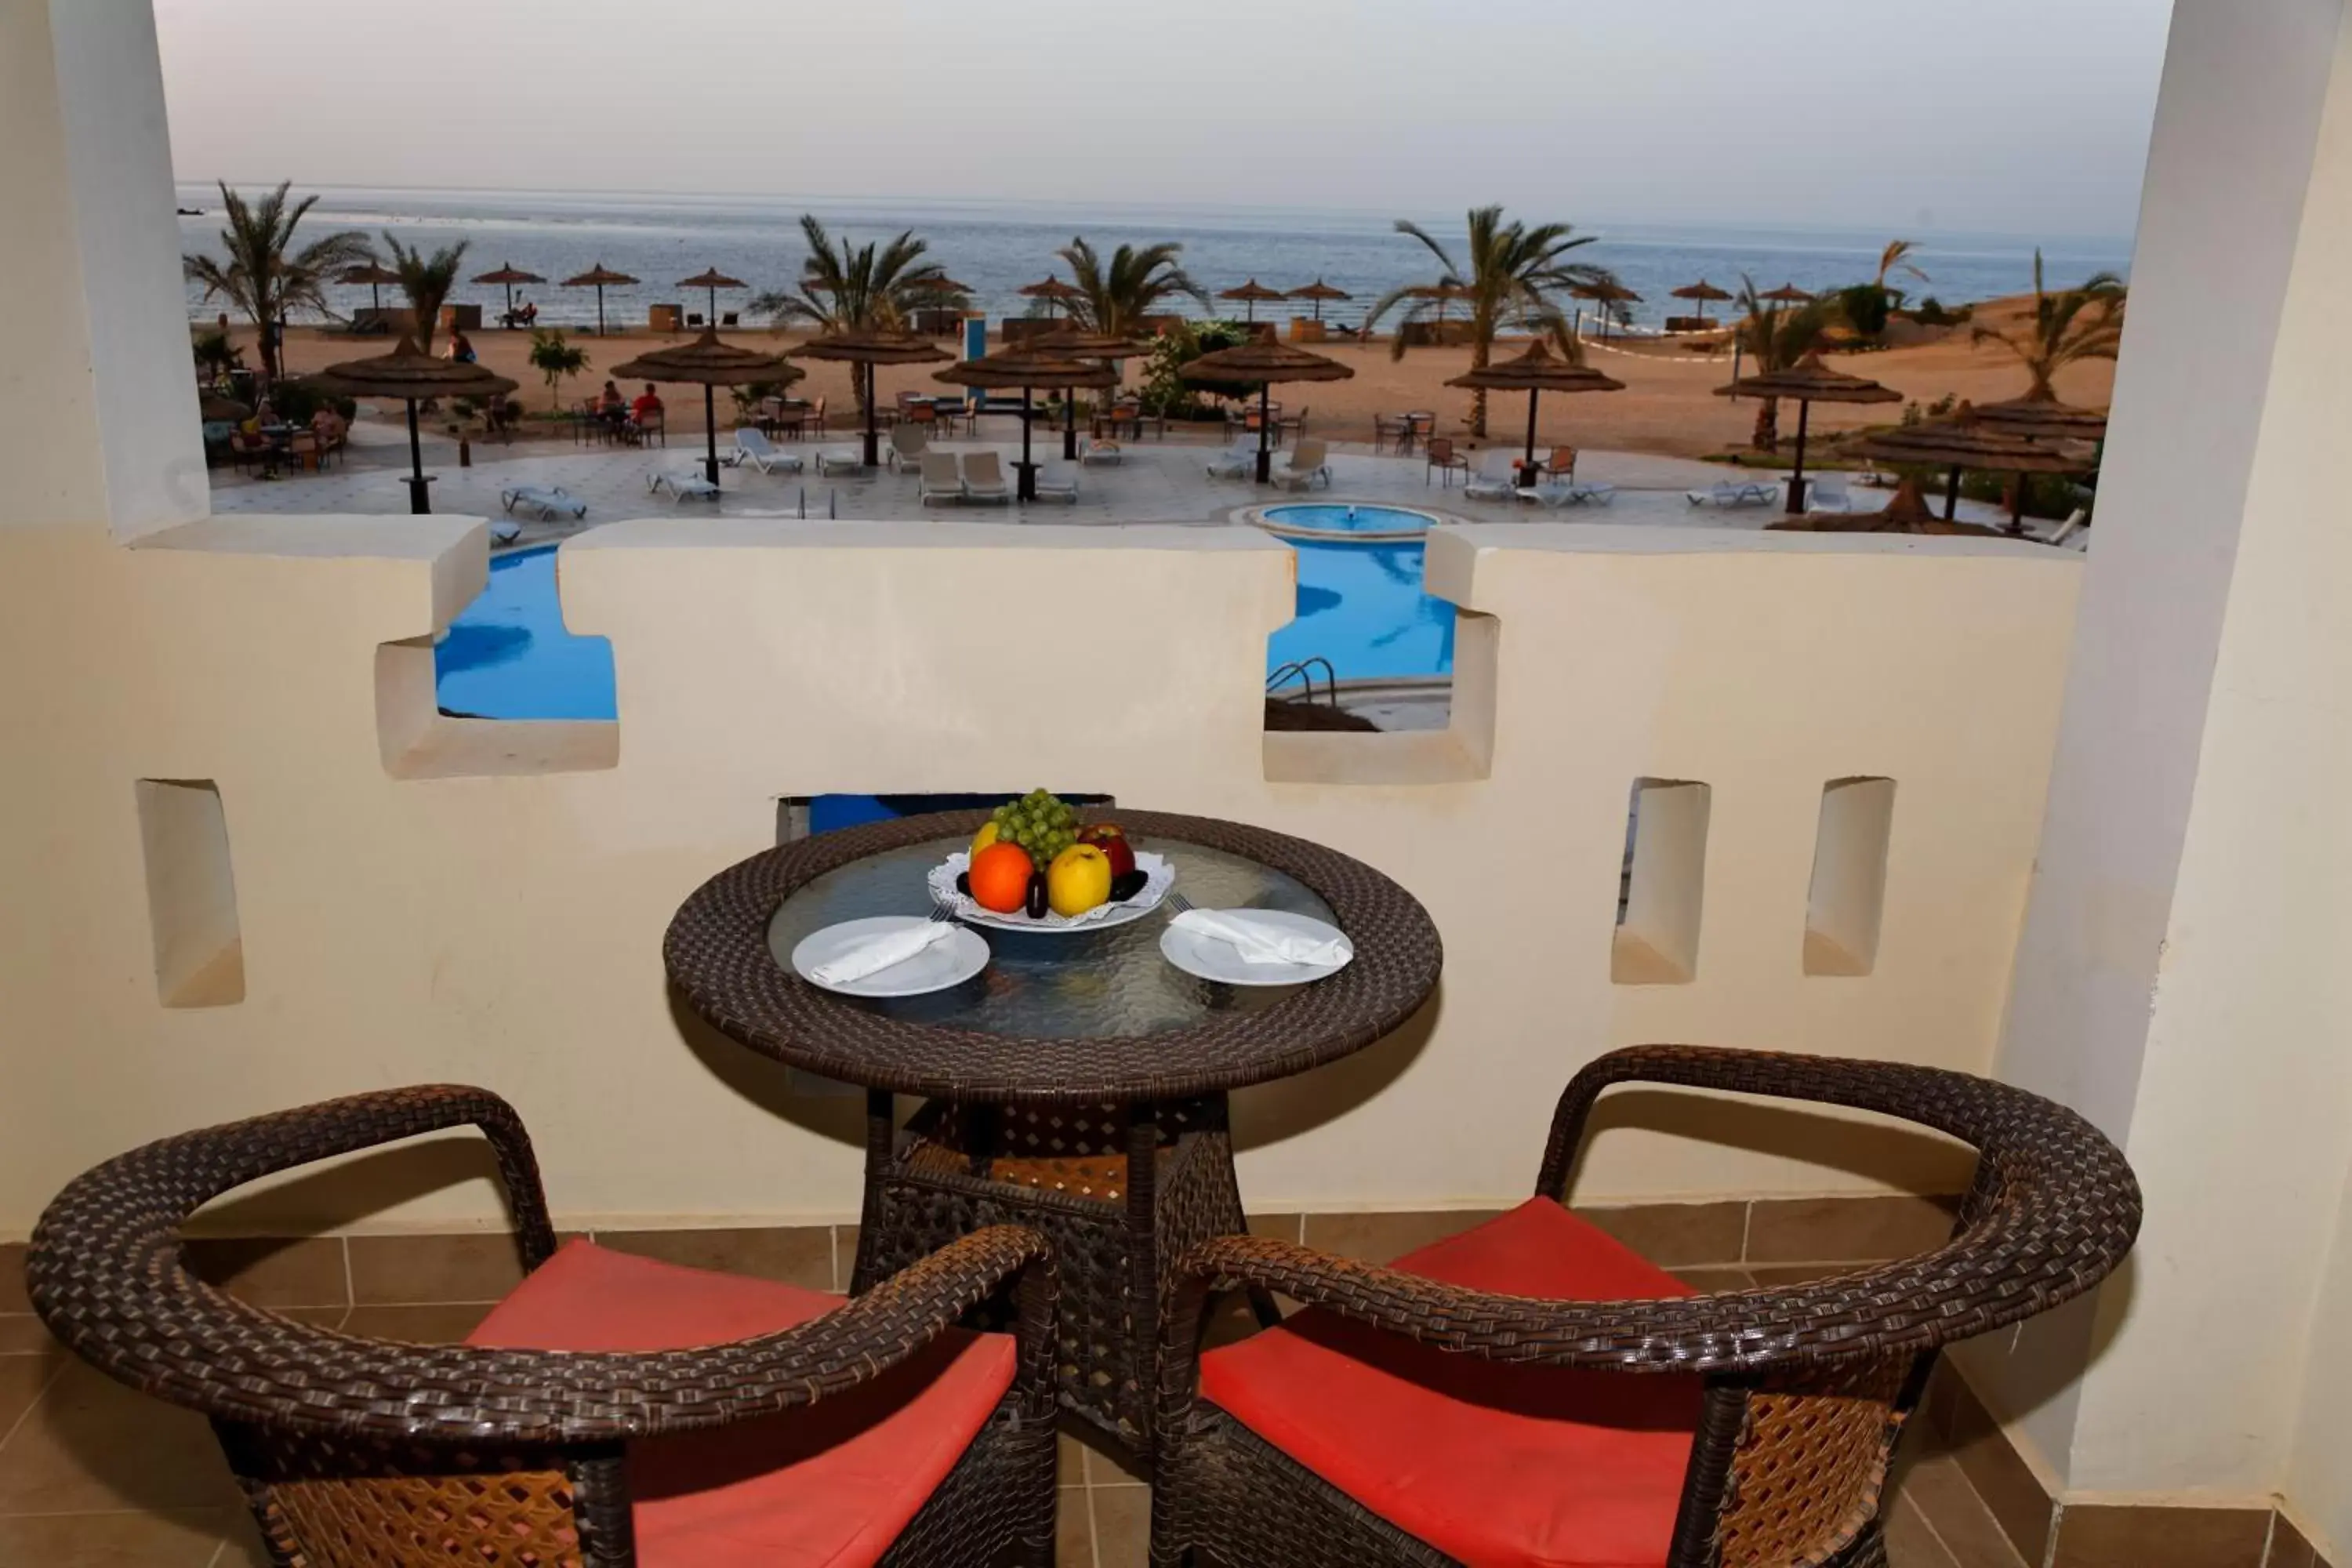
(950, 962)
(1158, 876)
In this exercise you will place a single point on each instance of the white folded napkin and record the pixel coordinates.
(877, 954)
(1262, 942)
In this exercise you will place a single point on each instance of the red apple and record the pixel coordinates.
(1111, 839)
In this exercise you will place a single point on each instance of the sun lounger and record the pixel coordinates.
(1237, 462)
(1100, 454)
(683, 484)
(2074, 533)
(548, 500)
(1306, 464)
(840, 460)
(1559, 493)
(983, 477)
(1494, 481)
(941, 481)
(1737, 494)
(908, 442)
(752, 447)
(505, 531)
(1827, 497)
(1058, 483)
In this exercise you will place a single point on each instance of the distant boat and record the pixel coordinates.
(192, 212)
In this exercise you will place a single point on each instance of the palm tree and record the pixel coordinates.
(1775, 336)
(263, 275)
(1513, 273)
(557, 360)
(1114, 303)
(874, 287)
(426, 280)
(1894, 258)
(2074, 324)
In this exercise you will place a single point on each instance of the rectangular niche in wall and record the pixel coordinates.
(191, 893)
(1849, 892)
(1666, 876)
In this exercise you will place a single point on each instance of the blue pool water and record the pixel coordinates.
(1338, 517)
(508, 656)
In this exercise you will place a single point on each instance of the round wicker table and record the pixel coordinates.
(1078, 1083)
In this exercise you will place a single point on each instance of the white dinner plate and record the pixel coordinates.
(1158, 873)
(1211, 958)
(948, 963)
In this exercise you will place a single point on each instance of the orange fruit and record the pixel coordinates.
(1000, 878)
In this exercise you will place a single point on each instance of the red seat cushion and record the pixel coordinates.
(1495, 1464)
(831, 1483)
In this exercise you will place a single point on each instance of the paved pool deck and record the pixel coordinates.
(1158, 482)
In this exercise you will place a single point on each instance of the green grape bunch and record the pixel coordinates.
(1040, 824)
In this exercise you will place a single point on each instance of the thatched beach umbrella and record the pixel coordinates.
(373, 275)
(1026, 367)
(1703, 292)
(710, 364)
(1808, 381)
(714, 281)
(1908, 512)
(1251, 293)
(509, 274)
(1535, 372)
(216, 409)
(411, 375)
(1261, 365)
(870, 349)
(1967, 441)
(597, 278)
(1318, 291)
(1074, 342)
(1787, 294)
(1053, 290)
(2040, 417)
(1606, 294)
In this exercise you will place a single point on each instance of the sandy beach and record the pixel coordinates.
(1668, 407)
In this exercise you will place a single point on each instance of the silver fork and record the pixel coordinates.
(1177, 902)
(943, 912)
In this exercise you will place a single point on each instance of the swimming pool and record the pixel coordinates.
(508, 657)
(1341, 519)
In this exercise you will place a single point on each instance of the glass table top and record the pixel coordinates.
(1096, 984)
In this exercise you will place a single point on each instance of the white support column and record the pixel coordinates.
(2185, 976)
(102, 424)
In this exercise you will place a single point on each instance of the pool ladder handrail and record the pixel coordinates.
(1303, 670)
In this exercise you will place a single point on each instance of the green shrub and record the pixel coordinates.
(295, 401)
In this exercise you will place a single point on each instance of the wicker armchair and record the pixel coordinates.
(364, 1452)
(1532, 1391)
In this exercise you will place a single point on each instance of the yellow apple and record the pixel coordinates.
(1078, 881)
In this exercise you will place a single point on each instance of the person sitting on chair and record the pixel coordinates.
(610, 408)
(646, 410)
(461, 347)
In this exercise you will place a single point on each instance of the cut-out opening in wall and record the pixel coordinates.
(1664, 884)
(1848, 898)
(417, 738)
(191, 893)
(798, 816)
(1462, 751)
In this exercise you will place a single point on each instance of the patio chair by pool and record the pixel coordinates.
(1442, 459)
(942, 479)
(983, 477)
(1826, 496)
(840, 460)
(1533, 1390)
(1237, 462)
(1496, 478)
(612, 1409)
(1100, 454)
(548, 500)
(683, 484)
(1734, 493)
(752, 447)
(1058, 482)
(908, 442)
(1307, 462)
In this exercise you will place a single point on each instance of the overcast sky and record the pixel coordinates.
(2012, 116)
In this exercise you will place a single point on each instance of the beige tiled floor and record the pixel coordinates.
(94, 1476)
